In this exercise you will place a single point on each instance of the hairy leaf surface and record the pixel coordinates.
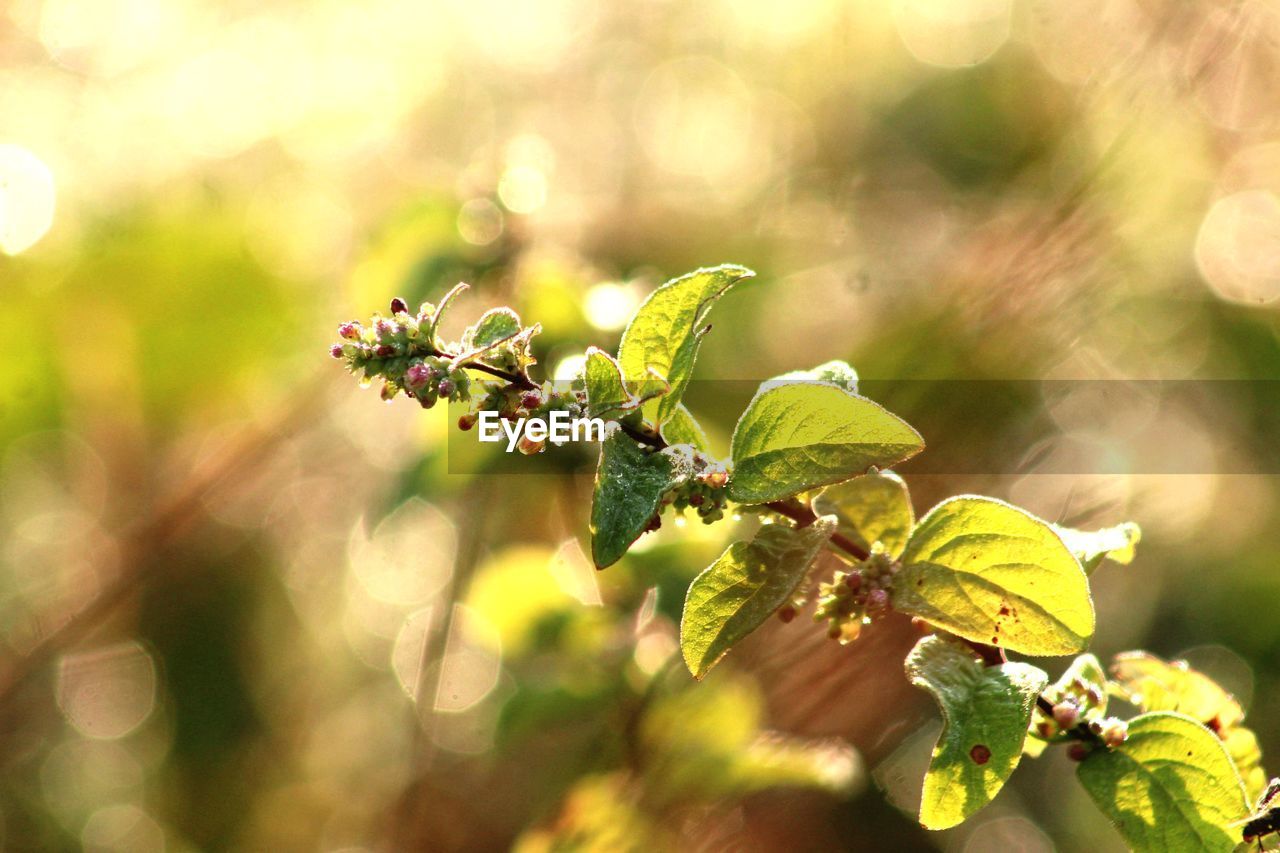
(985, 711)
(683, 428)
(871, 508)
(742, 588)
(666, 331)
(630, 482)
(1170, 786)
(1091, 547)
(1154, 684)
(797, 437)
(993, 573)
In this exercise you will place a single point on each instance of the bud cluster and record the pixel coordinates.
(400, 351)
(706, 490)
(856, 597)
(1075, 702)
(1077, 711)
(515, 403)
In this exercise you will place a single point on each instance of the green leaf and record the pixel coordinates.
(993, 573)
(1153, 684)
(666, 331)
(740, 590)
(605, 390)
(1169, 786)
(1091, 547)
(872, 508)
(682, 428)
(833, 372)
(985, 712)
(494, 326)
(797, 437)
(630, 482)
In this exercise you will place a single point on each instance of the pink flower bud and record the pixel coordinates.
(383, 328)
(417, 376)
(398, 306)
(384, 350)
(336, 350)
(446, 388)
(877, 601)
(349, 331)
(531, 400)
(1066, 715)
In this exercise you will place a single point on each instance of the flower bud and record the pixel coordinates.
(1077, 751)
(529, 447)
(467, 421)
(853, 581)
(877, 601)
(1115, 733)
(384, 350)
(531, 400)
(1066, 714)
(383, 328)
(787, 613)
(389, 391)
(446, 387)
(417, 376)
(336, 350)
(349, 331)
(398, 306)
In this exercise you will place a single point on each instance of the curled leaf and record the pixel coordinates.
(985, 711)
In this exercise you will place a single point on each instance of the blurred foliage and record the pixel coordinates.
(327, 631)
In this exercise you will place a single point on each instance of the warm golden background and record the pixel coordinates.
(245, 606)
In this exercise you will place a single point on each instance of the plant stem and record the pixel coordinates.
(791, 508)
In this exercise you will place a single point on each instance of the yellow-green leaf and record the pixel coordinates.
(833, 372)
(1169, 786)
(1091, 547)
(872, 508)
(605, 390)
(985, 712)
(995, 574)
(740, 590)
(494, 325)
(666, 331)
(682, 428)
(1153, 684)
(799, 436)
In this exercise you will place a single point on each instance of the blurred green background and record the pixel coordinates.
(244, 606)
